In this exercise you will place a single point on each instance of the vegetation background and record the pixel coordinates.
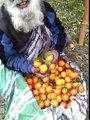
(70, 12)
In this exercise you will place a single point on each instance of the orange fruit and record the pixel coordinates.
(35, 79)
(53, 96)
(37, 86)
(71, 98)
(49, 95)
(68, 85)
(54, 103)
(63, 103)
(60, 68)
(81, 88)
(67, 65)
(68, 71)
(51, 67)
(37, 98)
(68, 104)
(50, 57)
(43, 68)
(67, 79)
(56, 72)
(45, 79)
(64, 90)
(29, 81)
(35, 92)
(73, 92)
(53, 71)
(49, 89)
(63, 81)
(58, 98)
(42, 90)
(47, 104)
(76, 75)
(41, 104)
(65, 97)
(61, 63)
(57, 91)
(75, 84)
(72, 46)
(43, 97)
(63, 74)
(31, 87)
(58, 82)
(37, 63)
(72, 75)
(52, 76)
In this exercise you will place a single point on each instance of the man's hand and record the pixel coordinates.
(36, 72)
(55, 55)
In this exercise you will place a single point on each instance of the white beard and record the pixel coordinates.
(25, 19)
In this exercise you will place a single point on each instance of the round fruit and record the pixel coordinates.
(43, 69)
(37, 64)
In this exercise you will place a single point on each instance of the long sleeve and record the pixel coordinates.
(11, 57)
(55, 26)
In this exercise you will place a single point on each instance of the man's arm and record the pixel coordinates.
(11, 58)
(55, 26)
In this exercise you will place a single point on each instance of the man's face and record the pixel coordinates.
(21, 4)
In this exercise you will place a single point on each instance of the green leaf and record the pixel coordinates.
(40, 81)
(37, 58)
(46, 54)
(47, 62)
(48, 100)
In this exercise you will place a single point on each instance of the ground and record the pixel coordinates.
(70, 12)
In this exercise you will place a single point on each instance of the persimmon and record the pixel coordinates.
(43, 68)
(71, 97)
(63, 74)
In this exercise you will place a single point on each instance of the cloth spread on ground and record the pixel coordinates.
(21, 105)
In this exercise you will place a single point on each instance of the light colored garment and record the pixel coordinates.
(20, 103)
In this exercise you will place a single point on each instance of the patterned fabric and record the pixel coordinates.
(39, 41)
(21, 105)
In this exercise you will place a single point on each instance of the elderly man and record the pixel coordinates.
(27, 29)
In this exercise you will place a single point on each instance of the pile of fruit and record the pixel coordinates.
(60, 85)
